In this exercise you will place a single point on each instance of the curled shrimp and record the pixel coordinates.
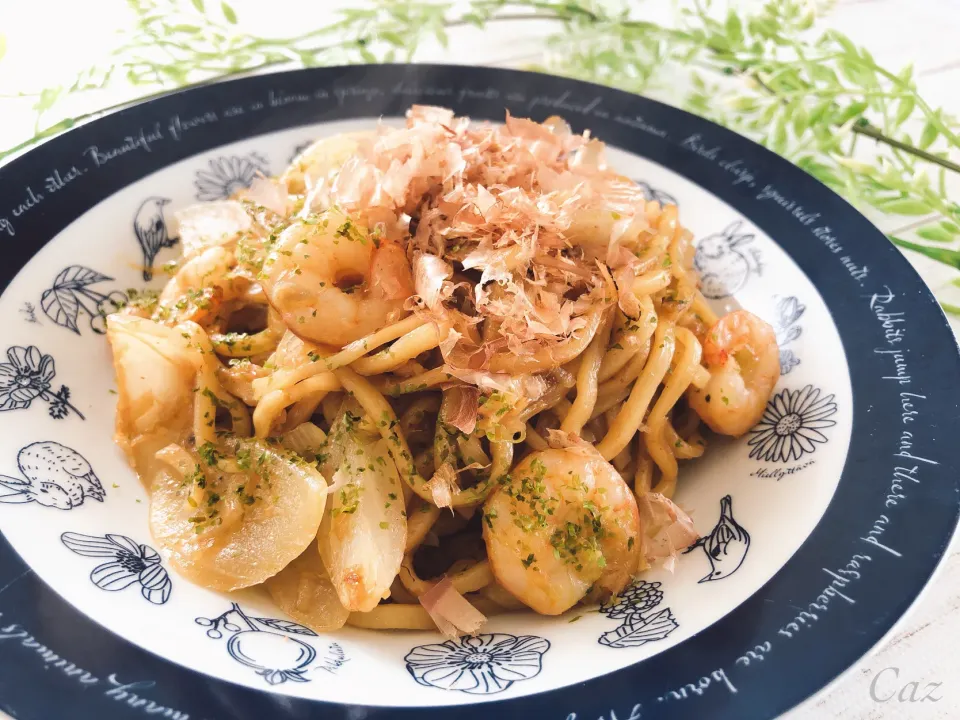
(741, 353)
(333, 282)
(199, 288)
(565, 523)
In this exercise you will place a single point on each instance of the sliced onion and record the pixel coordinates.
(304, 591)
(628, 301)
(363, 535)
(209, 224)
(156, 368)
(270, 194)
(305, 439)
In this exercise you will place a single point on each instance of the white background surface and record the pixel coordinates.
(923, 32)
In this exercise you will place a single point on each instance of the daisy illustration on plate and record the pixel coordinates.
(792, 425)
(224, 176)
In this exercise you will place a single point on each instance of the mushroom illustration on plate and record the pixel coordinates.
(726, 546)
(53, 476)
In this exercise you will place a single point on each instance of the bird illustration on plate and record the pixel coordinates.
(726, 546)
(651, 193)
(53, 476)
(150, 227)
(722, 262)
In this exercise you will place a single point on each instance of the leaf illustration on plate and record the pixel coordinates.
(286, 626)
(790, 334)
(640, 630)
(65, 299)
(61, 306)
(78, 276)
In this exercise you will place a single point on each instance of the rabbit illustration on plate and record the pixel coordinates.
(53, 476)
(724, 265)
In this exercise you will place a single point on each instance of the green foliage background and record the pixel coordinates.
(812, 96)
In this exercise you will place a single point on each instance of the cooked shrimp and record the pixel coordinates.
(199, 288)
(741, 354)
(564, 523)
(333, 283)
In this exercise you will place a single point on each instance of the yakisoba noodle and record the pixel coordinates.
(430, 374)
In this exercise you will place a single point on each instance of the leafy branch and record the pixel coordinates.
(816, 99)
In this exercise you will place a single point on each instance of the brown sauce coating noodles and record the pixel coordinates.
(490, 345)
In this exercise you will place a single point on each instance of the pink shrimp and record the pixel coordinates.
(741, 353)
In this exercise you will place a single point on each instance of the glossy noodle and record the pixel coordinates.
(430, 374)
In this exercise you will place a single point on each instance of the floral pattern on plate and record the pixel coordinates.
(226, 175)
(27, 376)
(481, 665)
(791, 425)
(128, 563)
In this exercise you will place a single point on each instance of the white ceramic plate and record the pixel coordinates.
(819, 526)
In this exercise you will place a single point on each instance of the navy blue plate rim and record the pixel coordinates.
(854, 577)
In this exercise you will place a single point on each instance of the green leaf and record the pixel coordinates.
(950, 227)
(473, 19)
(844, 42)
(905, 108)
(734, 29)
(801, 120)
(943, 255)
(779, 139)
(935, 234)
(48, 98)
(393, 38)
(851, 111)
(929, 134)
(441, 35)
(851, 70)
(368, 57)
(906, 75)
(819, 110)
(198, 4)
(767, 116)
(821, 172)
(905, 206)
(822, 73)
(228, 13)
(743, 104)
